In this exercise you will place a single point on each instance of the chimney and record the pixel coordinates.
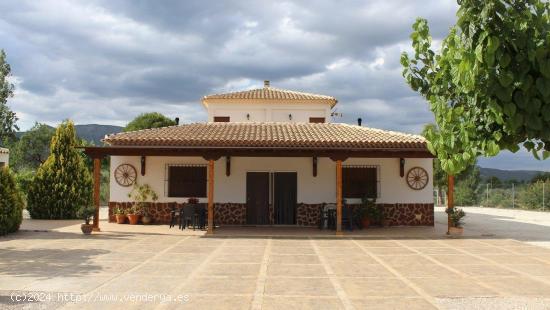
(359, 121)
(266, 83)
(177, 120)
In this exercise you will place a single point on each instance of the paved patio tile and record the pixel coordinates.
(402, 260)
(510, 259)
(425, 271)
(537, 270)
(219, 285)
(359, 257)
(213, 303)
(377, 243)
(242, 250)
(277, 303)
(456, 259)
(294, 259)
(185, 248)
(390, 251)
(292, 250)
(230, 269)
(518, 286)
(377, 287)
(409, 303)
(299, 287)
(286, 270)
(483, 269)
(165, 269)
(189, 258)
(359, 269)
(437, 250)
(448, 285)
(81, 284)
(237, 258)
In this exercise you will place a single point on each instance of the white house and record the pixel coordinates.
(4, 157)
(270, 156)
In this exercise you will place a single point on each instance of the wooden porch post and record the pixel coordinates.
(97, 181)
(339, 197)
(450, 200)
(210, 230)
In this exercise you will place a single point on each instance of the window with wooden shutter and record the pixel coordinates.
(221, 119)
(187, 181)
(360, 182)
(316, 119)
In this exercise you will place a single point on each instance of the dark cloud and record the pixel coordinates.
(106, 61)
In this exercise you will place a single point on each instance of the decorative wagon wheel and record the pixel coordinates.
(125, 175)
(417, 178)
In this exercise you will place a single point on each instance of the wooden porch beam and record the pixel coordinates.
(97, 181)
(339, 198)
(210, 230)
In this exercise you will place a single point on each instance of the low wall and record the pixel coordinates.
(402, 214)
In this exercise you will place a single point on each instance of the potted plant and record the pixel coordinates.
(141, 194)
(456, 216)
(87, 213)
(367, 213)
(133, 215)
(120, 215)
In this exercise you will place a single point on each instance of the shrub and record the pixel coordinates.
(11, 203)
(531, 196)
(86, 213)
(63, 183)
(456, 216)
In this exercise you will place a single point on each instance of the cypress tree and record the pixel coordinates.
(62, 183)
(11, 203)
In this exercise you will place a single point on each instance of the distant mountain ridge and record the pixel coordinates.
(91, 132)
(505, 175)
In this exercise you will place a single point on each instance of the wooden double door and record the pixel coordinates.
(276, 188)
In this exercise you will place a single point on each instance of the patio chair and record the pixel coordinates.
(347, 217)
(173, 214)
(188, 216)
(200, 216)
(323, 217)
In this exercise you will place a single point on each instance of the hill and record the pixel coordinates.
(505, 175)
(91, 132)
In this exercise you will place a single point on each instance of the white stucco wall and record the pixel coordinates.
(268, 111)
(4, 158)
(393, 188)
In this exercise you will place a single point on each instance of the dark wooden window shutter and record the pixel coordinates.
(221, 119)
(359, 182)
(316, 119)
(187, 181)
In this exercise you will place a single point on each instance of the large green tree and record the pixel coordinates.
(33, 148)
(489, 84)
(149, 120)
(63, 182)
(8, 118)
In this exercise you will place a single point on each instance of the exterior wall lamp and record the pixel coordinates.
(290, 116)
(247, 116)
(402, 167)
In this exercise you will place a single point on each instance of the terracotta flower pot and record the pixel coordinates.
(146, 220)
(86, 228)
(365, 222)
(120, 218)
(456, 231)
(133, 219)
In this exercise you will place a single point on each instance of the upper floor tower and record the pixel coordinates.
(269, 104)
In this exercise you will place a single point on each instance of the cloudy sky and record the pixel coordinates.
(106, 61)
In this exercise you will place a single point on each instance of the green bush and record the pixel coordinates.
(24, 178)
(530, 197)
(63, 183)
(498, 198)
(11, 203)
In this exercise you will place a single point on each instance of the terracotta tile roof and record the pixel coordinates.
(4, 151)
(271, 93)
(270, 135)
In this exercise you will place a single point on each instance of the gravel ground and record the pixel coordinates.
(497, 303)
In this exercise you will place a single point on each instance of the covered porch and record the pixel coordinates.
(219, 162)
